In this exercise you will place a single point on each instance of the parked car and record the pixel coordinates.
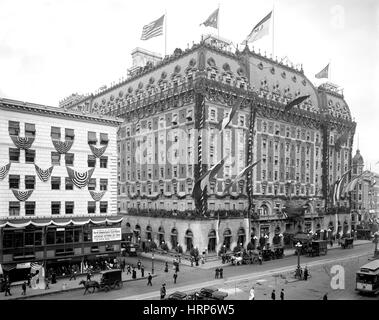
(210, 293)
(177, 295)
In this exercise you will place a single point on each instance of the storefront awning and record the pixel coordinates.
(61, 222)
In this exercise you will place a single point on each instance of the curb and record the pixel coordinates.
(67, 290)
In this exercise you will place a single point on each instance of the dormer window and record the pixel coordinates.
(212, 114)
(189, 115)
(174, 119)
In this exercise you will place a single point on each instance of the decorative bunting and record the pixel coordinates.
(4, 170)
(78, 178)
(98, 152)
(22, 142)
(97, 195)
(22, 195)
(62, 147)
(44, 175)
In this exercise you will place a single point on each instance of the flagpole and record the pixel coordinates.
(273, 29)
(218, 22)
(165, 33)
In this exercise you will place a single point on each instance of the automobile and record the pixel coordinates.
(236, 258)
(129, 248)
(210, 293)
(111, 279)
(177, 295)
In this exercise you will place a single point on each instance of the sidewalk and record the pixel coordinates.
(218, 263)
(58, 287)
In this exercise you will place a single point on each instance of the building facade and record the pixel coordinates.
(170, 137)
(58, 183)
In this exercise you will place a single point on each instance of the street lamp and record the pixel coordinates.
(152, 263)
(298, 248)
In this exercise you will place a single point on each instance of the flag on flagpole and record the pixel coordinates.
(260, 30)
(324, 73)
(205, 178)
(241, 174)
(341, 140)
(225, 122)
(218, 228)
(338, 189)
(212, 20)
(295, 102)
(153, 29)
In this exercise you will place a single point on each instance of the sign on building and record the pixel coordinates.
(107, 234)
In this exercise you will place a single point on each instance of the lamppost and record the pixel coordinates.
(322, 234)
(281, 239)
(266, 239)
(329, 235)
(152, 263)
(298, 249)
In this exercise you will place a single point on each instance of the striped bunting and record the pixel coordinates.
(62, 147)
(4, 170)
(44, 175)
(78, 178)
(153, 29)
(22, 142)
(96, 195)
(22, 195)
(98, 152)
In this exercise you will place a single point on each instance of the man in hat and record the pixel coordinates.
(282, 294)
(163, 291)
(273, 295)
(149, 278)
(175, 276)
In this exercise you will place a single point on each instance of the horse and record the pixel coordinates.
(89, 284)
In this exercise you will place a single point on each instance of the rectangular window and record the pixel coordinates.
(91, 161)
(69, 134)
(212, 114)
(92, 137)
(30, 208)
(30, 182)
(55, 207)
(69, 206)
(104, 138)
(91, 207)
(103, 206)
(14, 181)
(30, 130)
(103, 162)
(14, 208)
(55, 158)
(14, 128)
(69, 184)
(14, 155)
(69, 159)
(55, 133)
(30, 156)
(92, 184)
(103, 184)
(55, 183)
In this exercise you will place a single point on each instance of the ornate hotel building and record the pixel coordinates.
(172, 108)
(58, 185)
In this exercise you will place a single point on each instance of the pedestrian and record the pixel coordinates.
(191, 259)
(166, 267)
(142, 271)
(53, 278)
(123, 266)
(73, 274)
(221, 272)
(149, 280)
(134, 274)
(128, 270)
(7, 287)
(282, 294)
(23, 288)
(175, 276)
(216, 273)
(306, 273)
(89, 275)
(47, 283)
(163, 291)
(139, 264)
(325, 297)
(252, 294)
(177, 267)
(29, 280)
(273, 295)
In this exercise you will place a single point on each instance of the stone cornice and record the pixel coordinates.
(25, 107)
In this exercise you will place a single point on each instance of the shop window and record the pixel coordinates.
(55, 133)
(14, 208)
(30, 207)
(91, 207)
(14, 155)
(91, 161)
(14, 128)
(55, 183)
(55, 207)
(14, 181)
(69, 206)
(30, 182)
(30, 156)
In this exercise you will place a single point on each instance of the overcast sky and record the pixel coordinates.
(52, 48)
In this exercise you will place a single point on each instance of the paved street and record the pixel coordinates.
(238, 279)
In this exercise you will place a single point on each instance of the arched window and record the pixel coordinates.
(227, 238)
(188, 240)
(137, 233)
(264, 210)
(174, 237)
(212, 241)
(241, 236)
(149, 232)
(161, 235)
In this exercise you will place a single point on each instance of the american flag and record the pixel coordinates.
(153, 29)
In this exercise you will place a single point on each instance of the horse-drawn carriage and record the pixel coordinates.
(111, 279)
(251, 257)
(236, 258)
(347, 243)
(317, 248)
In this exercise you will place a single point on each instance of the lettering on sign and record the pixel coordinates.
(107, 234)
